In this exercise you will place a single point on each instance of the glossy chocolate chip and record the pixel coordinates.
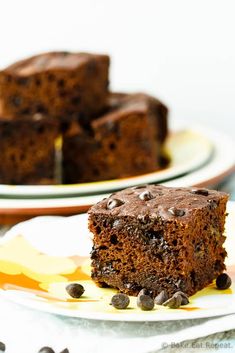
(174, 302)
(120, 301)
(176, 212)
(212, 204)
(185, 299)
(112, 203)
(145, 291)
(75, 290)
(16, 101)
(161, 298)
(65, 350)
(145, 195)
(223, 281)
(2, 347)
(145, 302)
(46, 350)
(203, 192)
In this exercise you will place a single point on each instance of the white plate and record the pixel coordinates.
(189, 149)
(54, 241)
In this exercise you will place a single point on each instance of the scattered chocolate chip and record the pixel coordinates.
(60, 83)
(112, 203)
(2, 347)
(223, 281)
(212, 204)
(145, 302)
(185, 299)
(161, 298)
(46, 350)
(145, 291)
(176, 211)
(75, 290)
(65, 350)
(203, 192)
(120, 301)
(113, 239)
(145, 195)
(16, 101)
(174, 302)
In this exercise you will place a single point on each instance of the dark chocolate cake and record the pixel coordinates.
(158, 238)
(60, 84)
(126, 141)
(27, 150)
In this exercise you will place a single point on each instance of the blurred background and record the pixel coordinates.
(181, 51)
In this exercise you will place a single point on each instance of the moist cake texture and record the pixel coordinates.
(27, 149)
(158, 238)
(126, 141)
(59, 84)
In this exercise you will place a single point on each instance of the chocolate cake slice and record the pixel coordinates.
(27, 150)
(60, 84)
(158, 238)
(126, 141)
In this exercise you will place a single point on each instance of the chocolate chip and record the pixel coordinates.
(51, 77)
(145, 291)
(60, 83)
(46, 350)
(176, 212)
(145, 302)
(65, 350)
(212, 204)
(117, 224)
(203, 192)
(75, 290)
(145, 195)
(161, 298)
(174, 302)
(113, 239)
(223, 281)
(2, 347)
(112, 203)
(120, 301)
(185, 299)
(16, 101)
